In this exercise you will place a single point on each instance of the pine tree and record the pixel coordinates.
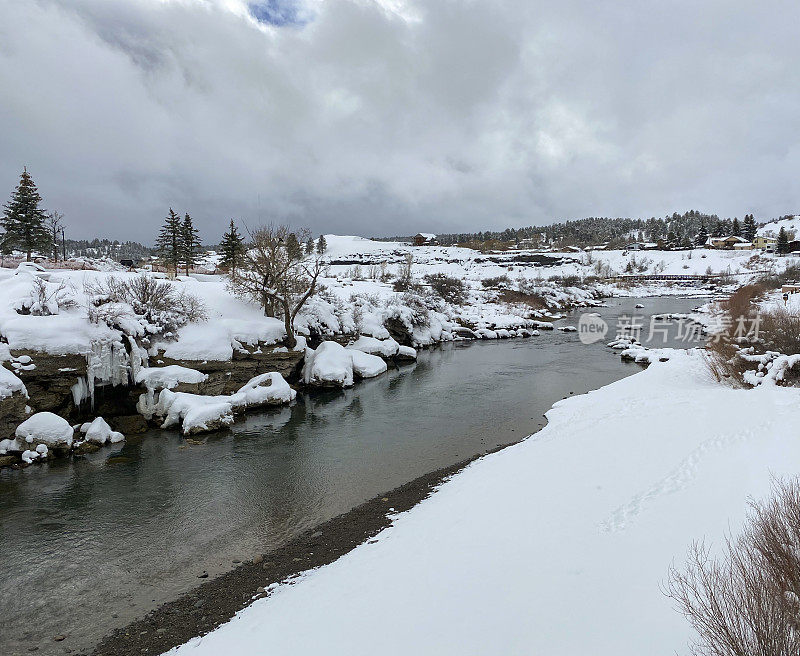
(190, 244)
(749, 231)
(783, 241)
(24, 221)
(322, 245)
(702, 236)
(719, 229)
(293, 248)
(233, 249)
(310, 246)
(170, 242)
(736, 229)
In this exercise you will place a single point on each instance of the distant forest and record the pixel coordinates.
(598, 230)
(117, 250)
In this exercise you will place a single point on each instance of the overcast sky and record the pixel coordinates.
(385, 117)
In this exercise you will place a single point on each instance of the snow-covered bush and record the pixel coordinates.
(452, 290)
(418, 308)
(46, 298)
(142, 306)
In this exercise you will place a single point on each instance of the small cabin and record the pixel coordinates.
(424, 239)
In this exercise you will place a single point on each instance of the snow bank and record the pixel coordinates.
(46, 428)
(558, 545)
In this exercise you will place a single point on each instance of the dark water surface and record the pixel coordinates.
(89, 544)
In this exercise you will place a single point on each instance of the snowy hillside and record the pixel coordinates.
(772, 228)
(558, 545)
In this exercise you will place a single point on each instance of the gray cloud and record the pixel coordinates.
(395, 116)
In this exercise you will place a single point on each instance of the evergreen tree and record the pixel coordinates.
(736, 229)
(293, 248)
(310, 246)
(783, 241)
(24, 221)
(190, 244)
(170, 242)
(719, 229)
(749, 230)
(702, 236)
(322, 245)
(233, 249)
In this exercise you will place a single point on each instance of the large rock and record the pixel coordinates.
(46, 428)
(12, 413)
(227, 377)
(49, 382)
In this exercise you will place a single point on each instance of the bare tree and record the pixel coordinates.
(55, 225)
(275, 278)
(747, 601)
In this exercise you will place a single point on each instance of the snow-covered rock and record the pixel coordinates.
(168, 377)
(332, 365)
(46, 428)
(197, 413)
(366, 365)
(99, 432)
(406, 353)
(264, 389)
(329, 365)
(193, 413)
(386, 348)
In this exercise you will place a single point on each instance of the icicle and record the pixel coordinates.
(107, 363)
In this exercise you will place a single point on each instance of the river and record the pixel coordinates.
(89, 544)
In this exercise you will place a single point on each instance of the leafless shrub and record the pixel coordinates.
(404, 278)
(47, 298)
(157, 304)
(790, 274)
(778, 331)
(747, 601)
(452, 290)
(724, 346)
(496, 282)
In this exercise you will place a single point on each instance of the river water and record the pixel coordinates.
(89, 544)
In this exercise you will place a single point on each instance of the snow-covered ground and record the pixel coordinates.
(558, 545)
(475, 266)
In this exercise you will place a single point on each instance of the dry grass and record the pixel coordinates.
(747, 601)
(514, 297)
(723, 347)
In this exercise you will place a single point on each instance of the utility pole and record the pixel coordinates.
(63, 246)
